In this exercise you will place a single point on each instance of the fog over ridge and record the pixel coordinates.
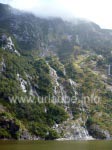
(96, 11)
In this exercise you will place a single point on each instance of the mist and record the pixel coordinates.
(97, 11)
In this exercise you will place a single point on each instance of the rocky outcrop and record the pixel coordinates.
(25, 135)
(99, 133)
(73, 130)
(11, 128)
(2, 108)
(7, 44)
(80, 47)
(23, 83)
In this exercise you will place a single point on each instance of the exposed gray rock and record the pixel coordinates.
(25, 135)
(7, 44)
(2, 65)
(72, 130)
(97, 132)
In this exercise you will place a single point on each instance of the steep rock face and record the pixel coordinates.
(73, 130)
(7, 44)
(99, 133)
(58, 88)
(36, 33)
(70, 129)
(68, 64)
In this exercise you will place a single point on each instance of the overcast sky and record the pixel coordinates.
(99, 11)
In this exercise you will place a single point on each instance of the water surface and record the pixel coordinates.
(55, 145)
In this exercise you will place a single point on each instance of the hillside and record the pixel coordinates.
(55, 78)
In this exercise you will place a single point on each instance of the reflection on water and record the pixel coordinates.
(55, 145)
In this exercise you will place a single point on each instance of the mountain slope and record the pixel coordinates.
(54, 80)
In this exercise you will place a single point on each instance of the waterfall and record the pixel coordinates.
(23, 83)
(32, 91)
(77, 39)
(59, 91)
(74, 85)
(109, 70)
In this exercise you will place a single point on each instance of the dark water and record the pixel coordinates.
(55, 145)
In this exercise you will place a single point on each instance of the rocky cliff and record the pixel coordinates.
(55, 78)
